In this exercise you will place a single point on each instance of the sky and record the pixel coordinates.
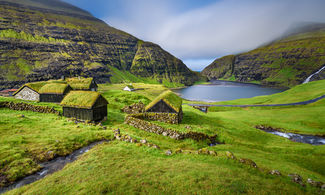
(199, 31)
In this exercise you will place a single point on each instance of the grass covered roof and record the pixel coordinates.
(36, 86)
(80, 99)
(169, 98)
(79, 83)
(54, 88)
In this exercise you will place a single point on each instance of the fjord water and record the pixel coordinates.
(224, 90)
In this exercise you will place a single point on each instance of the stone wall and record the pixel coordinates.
(27, 94)
(137, 121)
(29, 107)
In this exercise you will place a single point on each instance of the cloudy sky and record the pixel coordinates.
(198, 31)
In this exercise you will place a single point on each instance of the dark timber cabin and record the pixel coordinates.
(85, 105)
(167, 102)
(54, 92)
(84, 84)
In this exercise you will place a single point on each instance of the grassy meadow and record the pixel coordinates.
(119, 167)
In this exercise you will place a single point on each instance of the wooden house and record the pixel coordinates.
(29, 91)
(167, 102)
(128, 88)
(54, 92)
(84, 84)
(85, 105)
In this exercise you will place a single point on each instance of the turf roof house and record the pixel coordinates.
(54, 92)
(84, 84)
(85, 105)
(29, 91)
(167, 102)
(128, 88)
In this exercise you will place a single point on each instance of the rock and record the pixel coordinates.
(165, 133)
(297, 179)
(78, 126)
(104, 127)
(188, 127)
(22, 116)
(132, 140)
(138, 144)
(143, 141)
(178, 151)
(323, 187)
(203, 151)
(248, 162)
(168, 152)
(230, 155)
(155, 146)
(117, 131)
(213, 153)
(275, 172)
(317, 184)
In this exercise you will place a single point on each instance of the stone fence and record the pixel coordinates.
(29, 107)
(137, 121)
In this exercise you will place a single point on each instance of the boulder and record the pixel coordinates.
(248, 162)
(297, 179)
(275, 172)
(213, 153)
(168, 152)
(143, 141)
(317, 184)
(230, 155)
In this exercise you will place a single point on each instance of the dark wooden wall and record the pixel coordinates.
(95, 114)
(161, 106)
(51, 97)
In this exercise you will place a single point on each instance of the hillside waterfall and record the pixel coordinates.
(308, 78)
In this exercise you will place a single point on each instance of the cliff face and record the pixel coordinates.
(285, 62)
(45, 39)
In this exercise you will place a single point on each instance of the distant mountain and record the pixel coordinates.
(46, 39)
(286, 62)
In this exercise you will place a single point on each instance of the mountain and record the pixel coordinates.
(46, 39)
(285, 62)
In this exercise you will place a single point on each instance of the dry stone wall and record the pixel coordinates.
(23, 106)
(138, 121)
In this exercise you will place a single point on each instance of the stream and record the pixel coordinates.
(308, 139)
(50, 167)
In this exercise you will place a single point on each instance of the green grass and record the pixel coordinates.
(29, 37)
(37, 137)
(119, 167)
(80, 99)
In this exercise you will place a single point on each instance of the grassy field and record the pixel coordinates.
(119, 167)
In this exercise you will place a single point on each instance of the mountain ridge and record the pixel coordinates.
(39, 43)
(284, 62)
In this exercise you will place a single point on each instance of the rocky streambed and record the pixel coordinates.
(51, 167)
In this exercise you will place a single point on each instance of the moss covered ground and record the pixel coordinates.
(118, 167)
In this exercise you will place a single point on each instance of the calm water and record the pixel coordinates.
(224, 90)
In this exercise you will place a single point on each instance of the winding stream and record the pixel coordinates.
(50, 167)
(308, 139)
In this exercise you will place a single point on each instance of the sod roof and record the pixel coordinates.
(36, 86)
(80, 83)
(54, 88)
(80, 99)
(169, 98)
(130, 86)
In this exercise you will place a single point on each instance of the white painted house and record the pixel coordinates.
(128, 88)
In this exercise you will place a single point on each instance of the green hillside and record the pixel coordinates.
(285, 62)
(123, 167)
(43, 40)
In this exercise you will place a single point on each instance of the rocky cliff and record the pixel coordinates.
(285, 62)
(45, 39)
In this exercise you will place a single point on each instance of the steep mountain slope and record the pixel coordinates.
(285, 62)
(45, 39)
